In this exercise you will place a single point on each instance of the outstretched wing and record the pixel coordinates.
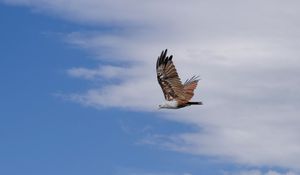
(189, 86)
(168, 78)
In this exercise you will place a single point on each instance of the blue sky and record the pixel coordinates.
(79, 94)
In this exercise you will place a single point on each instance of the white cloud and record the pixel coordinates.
(258, 172)
(246, 53)
(103, 72)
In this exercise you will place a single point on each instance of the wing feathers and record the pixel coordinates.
(189, 86)
(170, 83)
(168, 78)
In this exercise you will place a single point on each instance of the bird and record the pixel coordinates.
(177, 95)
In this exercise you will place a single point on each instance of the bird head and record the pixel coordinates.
(161, 106)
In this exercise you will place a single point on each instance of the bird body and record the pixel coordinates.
(177, 95)
(173, 104)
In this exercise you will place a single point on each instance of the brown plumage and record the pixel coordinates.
(170, 82)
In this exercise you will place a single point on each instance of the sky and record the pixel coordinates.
(79, 93)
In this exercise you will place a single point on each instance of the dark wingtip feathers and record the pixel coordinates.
(194, 78)
(163, 58)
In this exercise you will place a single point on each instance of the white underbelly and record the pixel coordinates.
(172, 104)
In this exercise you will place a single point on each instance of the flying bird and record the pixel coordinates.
(177, 95)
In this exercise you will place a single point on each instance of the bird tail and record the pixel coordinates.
(195, 103)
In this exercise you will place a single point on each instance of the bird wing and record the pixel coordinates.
(168, 78)
(189, 86)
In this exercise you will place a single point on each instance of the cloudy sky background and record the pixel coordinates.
(246, 53)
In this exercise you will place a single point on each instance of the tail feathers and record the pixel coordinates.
(195, 103)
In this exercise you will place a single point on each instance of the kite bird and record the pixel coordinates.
(177, 95)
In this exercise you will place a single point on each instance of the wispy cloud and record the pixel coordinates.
(246, 52)
(103, 72)
(258, 172)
